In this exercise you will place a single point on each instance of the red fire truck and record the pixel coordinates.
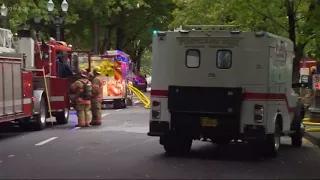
(25, 95)
(307, 62)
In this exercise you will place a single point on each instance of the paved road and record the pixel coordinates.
(121, 149)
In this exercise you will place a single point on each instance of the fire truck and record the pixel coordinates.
(309, 64)
(31, 91)
(223, 85)
(115, 68)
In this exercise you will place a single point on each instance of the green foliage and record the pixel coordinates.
(124, 25)
(253, 15)
(295, 19)
(146, 62)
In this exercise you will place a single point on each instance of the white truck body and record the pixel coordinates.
(222, 75)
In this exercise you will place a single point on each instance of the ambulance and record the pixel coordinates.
(225, 85)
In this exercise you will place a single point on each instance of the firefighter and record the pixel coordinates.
(97, 89)
(82, 89)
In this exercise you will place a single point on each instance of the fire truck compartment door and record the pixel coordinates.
(2, 90)
(8, 88)
(17, 87)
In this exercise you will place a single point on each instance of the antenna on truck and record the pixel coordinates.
(213, 27)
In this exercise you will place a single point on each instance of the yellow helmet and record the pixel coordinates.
(83, 73)
(97, 69)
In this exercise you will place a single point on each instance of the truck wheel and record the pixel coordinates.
(40, 120)
(25, 124)
(129, 102)
(297, 127)
(176, 145)
(296, 137)
(63, 117)
(123, 103)
(119, 103)
(272, 144)
(222, 141)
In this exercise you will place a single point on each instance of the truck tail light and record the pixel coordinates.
(258, 113)
(156, 109)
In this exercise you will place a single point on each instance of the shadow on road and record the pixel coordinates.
(10, 130)
(236, 152)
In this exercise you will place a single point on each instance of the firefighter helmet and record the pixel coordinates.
(97, 69)
(83, 73)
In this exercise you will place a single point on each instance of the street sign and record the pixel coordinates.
(316, 81)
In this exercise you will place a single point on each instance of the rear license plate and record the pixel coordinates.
(208, 122)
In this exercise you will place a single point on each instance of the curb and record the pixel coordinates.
(312, 139)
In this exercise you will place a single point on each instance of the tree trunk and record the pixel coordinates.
(138, 56)
(106, 43)
(96, 36)
(120, 38)
(292, 35)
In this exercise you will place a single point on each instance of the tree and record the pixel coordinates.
(100, 24)
(295, 19)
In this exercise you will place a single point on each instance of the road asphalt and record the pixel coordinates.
(121, 149)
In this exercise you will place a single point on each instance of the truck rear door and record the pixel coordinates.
(208, 73)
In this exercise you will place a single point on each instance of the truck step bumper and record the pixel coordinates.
(158, 128)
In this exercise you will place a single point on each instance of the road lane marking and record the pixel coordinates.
(1, 161)
(103, 115)
(75, 128)
(46, 141)
(11, 155)
(119, 109)
(136, 102)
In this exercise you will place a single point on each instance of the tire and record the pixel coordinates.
(117, 104)
(296, 140)
(222, 142)
(296, 137)
(40, 120)
(176, 144)
(63, 117)
(25, 124)
(272, 143)
(123, 103)
(129, 102)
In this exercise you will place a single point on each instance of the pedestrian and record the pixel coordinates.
(97, 90)
(83, 91)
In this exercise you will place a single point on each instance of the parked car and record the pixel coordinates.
(140, 82)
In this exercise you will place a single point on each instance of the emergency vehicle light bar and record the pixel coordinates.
(212, 27)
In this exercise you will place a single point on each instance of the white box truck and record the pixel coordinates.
(223, 85)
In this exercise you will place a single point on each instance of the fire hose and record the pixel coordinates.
(315, 129)
(142, 97)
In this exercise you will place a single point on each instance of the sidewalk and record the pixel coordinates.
(313, 137)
